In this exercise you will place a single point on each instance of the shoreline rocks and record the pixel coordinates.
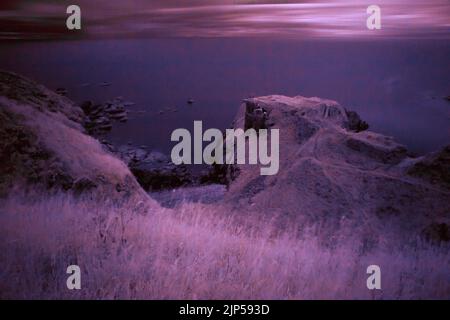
(153, 170)
(100, 117)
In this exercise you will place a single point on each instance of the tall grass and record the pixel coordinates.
(192, 253)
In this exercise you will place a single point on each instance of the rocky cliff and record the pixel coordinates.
(335, 173)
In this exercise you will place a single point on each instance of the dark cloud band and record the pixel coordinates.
(221, 18)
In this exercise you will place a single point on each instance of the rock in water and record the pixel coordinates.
(100, 116)
(61, 91)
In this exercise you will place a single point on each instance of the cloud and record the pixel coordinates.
(225, 18)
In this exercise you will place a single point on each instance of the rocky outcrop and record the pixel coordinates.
(43, 145)
(334, 172)
(256, 115)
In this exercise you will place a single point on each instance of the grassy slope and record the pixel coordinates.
(192, 253)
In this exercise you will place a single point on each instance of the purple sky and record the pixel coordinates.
(30, 19)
